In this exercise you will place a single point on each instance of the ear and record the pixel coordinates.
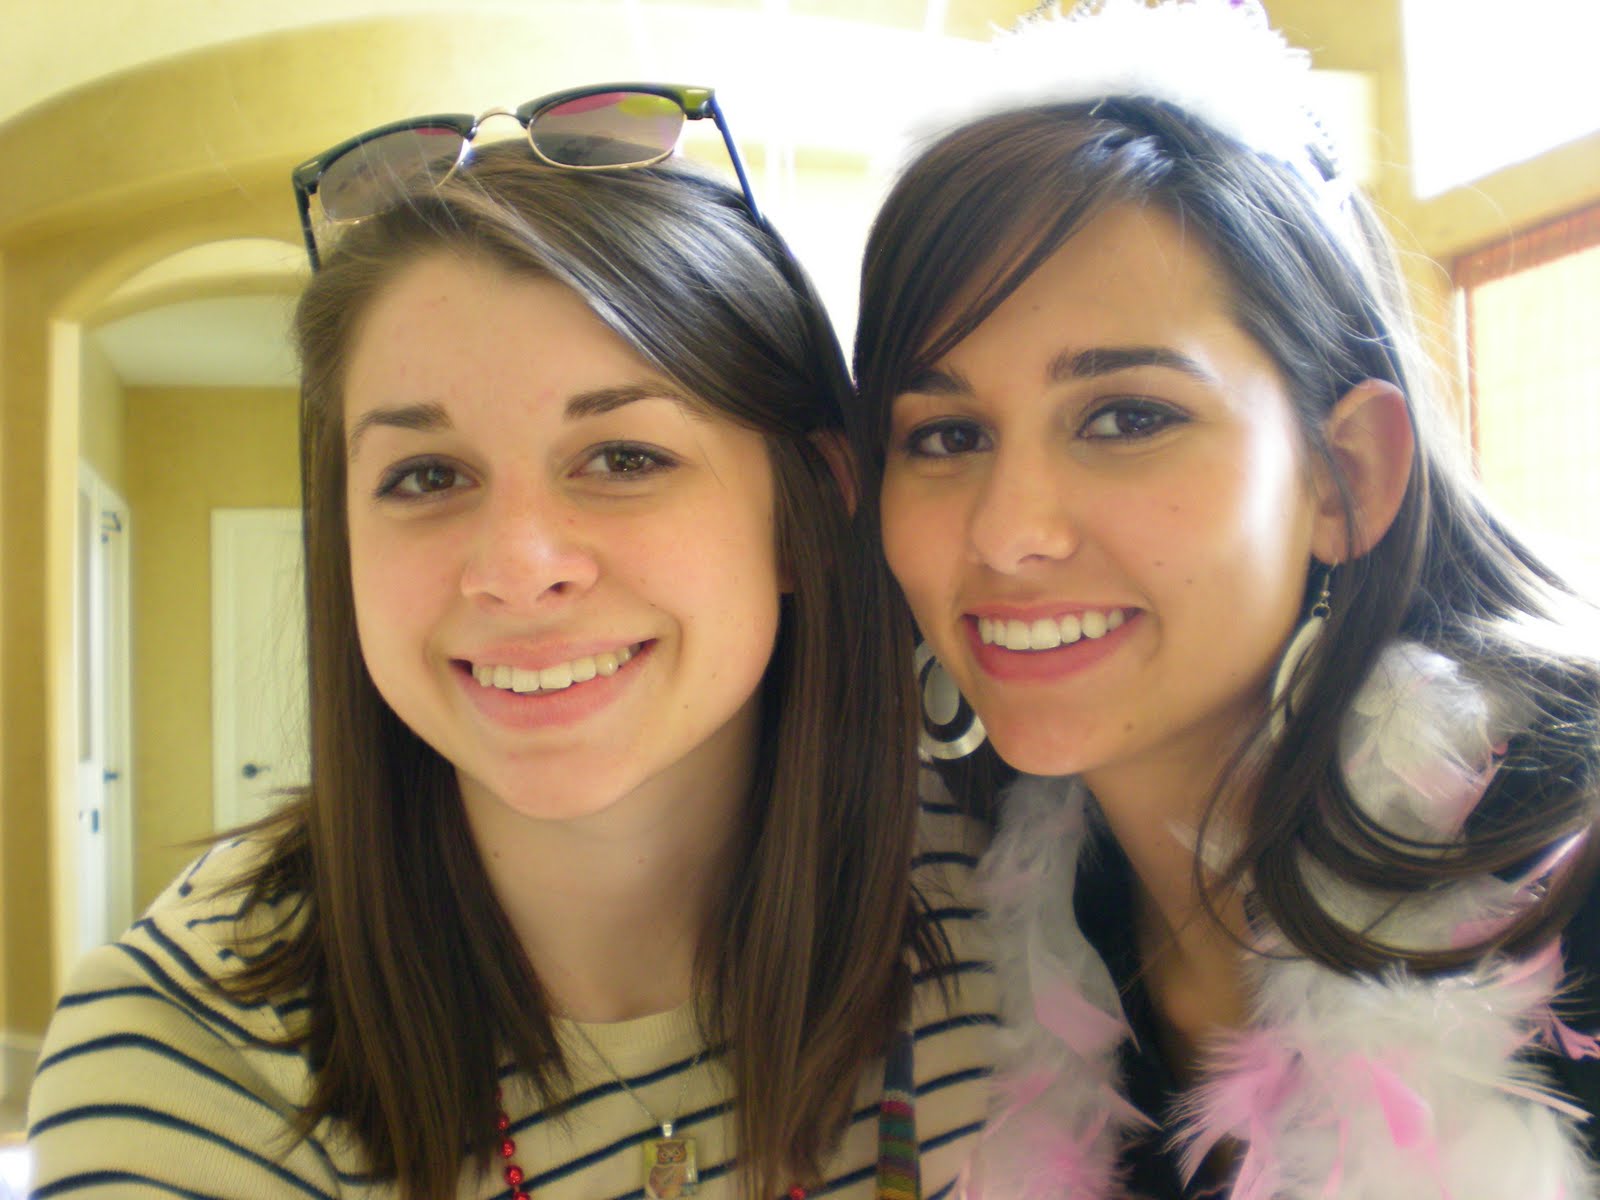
(1370, 436)
(835, 449)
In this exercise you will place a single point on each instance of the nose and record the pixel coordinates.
(529, 550)
(1021, 516)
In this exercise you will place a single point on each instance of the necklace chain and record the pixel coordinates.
(666, 1126)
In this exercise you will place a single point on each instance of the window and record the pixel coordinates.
(1490, 83)
(1533, 342)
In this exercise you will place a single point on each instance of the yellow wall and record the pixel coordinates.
(102, 419)
(189, 450)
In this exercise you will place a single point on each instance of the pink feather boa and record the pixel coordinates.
(1392, 1088)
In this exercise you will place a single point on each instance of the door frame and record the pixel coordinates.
(106, 630)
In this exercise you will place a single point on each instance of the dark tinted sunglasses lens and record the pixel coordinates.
(377, 173)
(607, 129)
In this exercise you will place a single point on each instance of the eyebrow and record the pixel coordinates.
(608, 399)
(1068, 365)
(425, 418)
(432, 418)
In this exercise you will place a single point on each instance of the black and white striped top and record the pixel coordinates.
(152, 1084)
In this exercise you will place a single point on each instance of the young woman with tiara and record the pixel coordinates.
(1292, 878)
(604, 882)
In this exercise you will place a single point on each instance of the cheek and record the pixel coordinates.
(919, 533)
(395, 582)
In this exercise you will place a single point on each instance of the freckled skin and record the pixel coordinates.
(539, 541)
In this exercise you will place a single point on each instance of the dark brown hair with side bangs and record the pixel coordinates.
(1311, 277)
(417, 987)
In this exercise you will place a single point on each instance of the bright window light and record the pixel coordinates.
(1490, 83)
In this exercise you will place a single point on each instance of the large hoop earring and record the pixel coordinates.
(1283, 697)
(950, 726)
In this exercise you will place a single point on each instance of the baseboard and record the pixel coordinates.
(18, 1053)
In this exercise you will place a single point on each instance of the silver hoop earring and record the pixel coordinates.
(950, 727)
(1283, 699)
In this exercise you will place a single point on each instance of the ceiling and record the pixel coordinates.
(222, 342)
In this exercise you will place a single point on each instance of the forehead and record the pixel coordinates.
(1134, 287)
(452, 327)
(1130, 265)
(1130, 275)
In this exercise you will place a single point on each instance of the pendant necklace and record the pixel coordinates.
(671, 1168)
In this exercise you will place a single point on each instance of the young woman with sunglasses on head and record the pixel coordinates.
(604, 883)
(1291, 884)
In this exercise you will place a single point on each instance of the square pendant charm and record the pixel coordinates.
(670, 1168)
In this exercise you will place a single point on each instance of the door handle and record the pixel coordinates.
(251, 770)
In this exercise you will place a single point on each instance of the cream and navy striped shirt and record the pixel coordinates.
(152, 1084)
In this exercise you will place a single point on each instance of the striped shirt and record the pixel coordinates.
(151, 1083)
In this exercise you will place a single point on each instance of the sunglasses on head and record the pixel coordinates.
(606, 127)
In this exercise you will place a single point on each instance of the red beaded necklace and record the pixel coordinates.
(897, 1138)
(515, 1176)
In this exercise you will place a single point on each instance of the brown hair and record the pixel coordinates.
(1313, 280)
(415, 981)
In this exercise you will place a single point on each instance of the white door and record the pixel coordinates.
(104, 789)
(260, 742)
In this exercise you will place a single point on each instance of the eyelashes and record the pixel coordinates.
(626, 460)
(946, 438)
(620, 462)
(1130, 420)
(416, 479)
(1124, 420)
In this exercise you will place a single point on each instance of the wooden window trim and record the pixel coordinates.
(1522, 251)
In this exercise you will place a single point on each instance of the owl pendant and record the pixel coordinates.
(670, 1169)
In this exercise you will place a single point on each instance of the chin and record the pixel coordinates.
(1036, 752)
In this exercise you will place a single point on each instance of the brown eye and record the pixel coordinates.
(1129, 420)
(946, 439)
(435, 478)
(625, 460)
(415, 480)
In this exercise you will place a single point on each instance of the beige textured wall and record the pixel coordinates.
(102, 419)
(189, 451)
(48, 279)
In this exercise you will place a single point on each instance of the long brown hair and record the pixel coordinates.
(1313, 280)
(416, 984)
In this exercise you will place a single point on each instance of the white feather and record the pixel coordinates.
(1363, 1088)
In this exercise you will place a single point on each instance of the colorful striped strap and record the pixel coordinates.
(899, 1177)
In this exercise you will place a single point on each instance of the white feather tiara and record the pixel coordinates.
(1218, 60)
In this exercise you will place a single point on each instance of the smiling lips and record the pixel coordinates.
(1048, 633)
(552, 679)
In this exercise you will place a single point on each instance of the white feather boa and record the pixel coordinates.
(1399, 1088)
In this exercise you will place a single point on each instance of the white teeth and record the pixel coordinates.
(552, 679)
(1047, 634)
